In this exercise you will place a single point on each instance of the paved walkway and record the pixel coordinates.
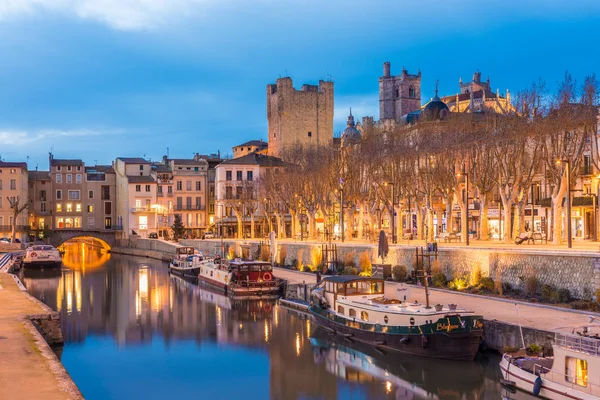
(28, 367)
(533, 316)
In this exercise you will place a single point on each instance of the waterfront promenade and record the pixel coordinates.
(28, 367)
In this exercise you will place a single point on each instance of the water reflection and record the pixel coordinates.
(134, 331)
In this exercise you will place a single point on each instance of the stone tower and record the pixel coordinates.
(398, 95)
(299, 117)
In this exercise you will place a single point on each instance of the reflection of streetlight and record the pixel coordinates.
(393, 211)
(568, 171)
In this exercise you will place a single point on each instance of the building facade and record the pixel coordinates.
(190, 177)
(252, 146)
(13, 185)
(299, 117)
(398, 95)
(40, 204)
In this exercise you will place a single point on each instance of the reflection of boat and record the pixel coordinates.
(42, 274)
(344, 361)
(572, 373)
(355, 307)
(40, 256)
(187, 262)
(242, 278)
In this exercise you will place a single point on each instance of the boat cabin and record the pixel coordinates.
(253, 271)
(344, 285)
(182, 253)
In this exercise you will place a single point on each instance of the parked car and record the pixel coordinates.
(153, 235)
(208, 235)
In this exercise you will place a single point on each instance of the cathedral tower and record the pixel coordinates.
(398, 95)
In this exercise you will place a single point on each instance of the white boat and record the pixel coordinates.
(187, 262)
(573, 372)
(241, 278)
(42, 256)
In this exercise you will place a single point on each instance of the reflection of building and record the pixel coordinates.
(13, 184)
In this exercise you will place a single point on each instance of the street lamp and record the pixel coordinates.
(393, 211)
(568, 171)
(466, 197)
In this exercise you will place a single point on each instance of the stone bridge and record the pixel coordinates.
(58, 237)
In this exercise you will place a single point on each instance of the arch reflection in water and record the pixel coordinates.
(84, 253)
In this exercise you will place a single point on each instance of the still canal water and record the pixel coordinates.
(134, 332)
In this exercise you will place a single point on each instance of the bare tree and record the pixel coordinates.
(17, 208)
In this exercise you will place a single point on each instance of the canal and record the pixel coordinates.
(133, 331)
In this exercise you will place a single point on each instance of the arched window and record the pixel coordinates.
(352, 312)
(340, 310)
(364, 315)
(397, 92)
(411, 92)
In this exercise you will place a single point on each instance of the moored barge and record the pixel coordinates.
(242, 278)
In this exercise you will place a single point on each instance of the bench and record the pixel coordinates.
(537, 236)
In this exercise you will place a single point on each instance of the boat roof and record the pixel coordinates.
(249, 262)
(348, 278)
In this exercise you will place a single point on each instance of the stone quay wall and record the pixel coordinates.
(577, 272)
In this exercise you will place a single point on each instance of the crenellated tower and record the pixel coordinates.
(398, 95)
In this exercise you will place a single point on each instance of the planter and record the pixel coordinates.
(439, 307)
(452, 307)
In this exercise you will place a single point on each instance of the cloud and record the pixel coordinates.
(22, 138)
(118, 14)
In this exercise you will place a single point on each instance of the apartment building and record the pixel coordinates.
(136, 211)
(190, 177)
(163, 176)
(40, 204)
(14, 186)
(100, 198)
(67, 192)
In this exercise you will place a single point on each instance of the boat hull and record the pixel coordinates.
(525, 380)
(425, 340)
(186, 272)
(268, 291)
(42, 264)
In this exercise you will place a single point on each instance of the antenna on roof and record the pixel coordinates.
(27, 162)
(96, 162)
(167, 152)
(36, 167)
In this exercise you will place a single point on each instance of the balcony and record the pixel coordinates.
(169, 194)
(189, 208)
(141, 209)
(114, 227)
(160, 194)
(18, 228)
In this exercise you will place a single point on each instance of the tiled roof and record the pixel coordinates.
(4, 164)
(107, 169)
(133, 160)
(140, 179)
(73, 163)
(39, 175)
(161, 168)
(256, 159)
(187, 161)
(258, 143)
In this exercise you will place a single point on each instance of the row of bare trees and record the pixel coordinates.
(502, 156)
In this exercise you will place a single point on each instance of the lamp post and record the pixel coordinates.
(466, 197)
(393, 211)
(568, 172)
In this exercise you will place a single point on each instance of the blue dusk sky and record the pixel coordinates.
(97, 79)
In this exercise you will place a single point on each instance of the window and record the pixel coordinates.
(90, 194)
(160, 189)
(188, 203)
(74, 194)
(340, 310)
(138, 188)
(107, 208)
(179, 185)
(169, 189)
(227, 175)
(105, 192)
(13, 170)
(0, 184)
(249, 175)
(179, 203)
(90, 208)
(78, 207)
(59, 195)
(78, 178)
(69, 178)
(411, 92)
(107, 223)
(143, 222)
(228, 193)
(309, 134)
(78, 168)
(211, 208)
(198, 185)
(58, 178)
(238, 192)
(352, 312)
(397, 92)
(141, 167)
(58, 207)
(364, 315)
(69, 207)
(211, 191)
(188, 185)
(42, 195)
(69, 168)
(576, 371)
(198, 203)
(13, 184)
(91, 221)
(43, 207)
(58, 168)
(238, 175)
(41, 223)
(138, 203)
(147, 188)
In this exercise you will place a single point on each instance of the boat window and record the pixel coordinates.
(47, 248)
(352, 312)
(243, 268)
(340, 288)
(364, 315)
(377, 287)
(328, 287)
(351, 288)
(340, 310)
(255, 268)
(576, 371)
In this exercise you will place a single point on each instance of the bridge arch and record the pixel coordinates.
(107, 239)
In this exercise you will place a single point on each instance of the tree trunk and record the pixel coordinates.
(430, 232)
(483, 218)
(361, 216)
(240, 224)
(252, 225)
(449, 217)
(557, 220)
(312, 225)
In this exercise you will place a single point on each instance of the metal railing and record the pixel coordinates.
(566, 380)
(582, 344)
(189, 208)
